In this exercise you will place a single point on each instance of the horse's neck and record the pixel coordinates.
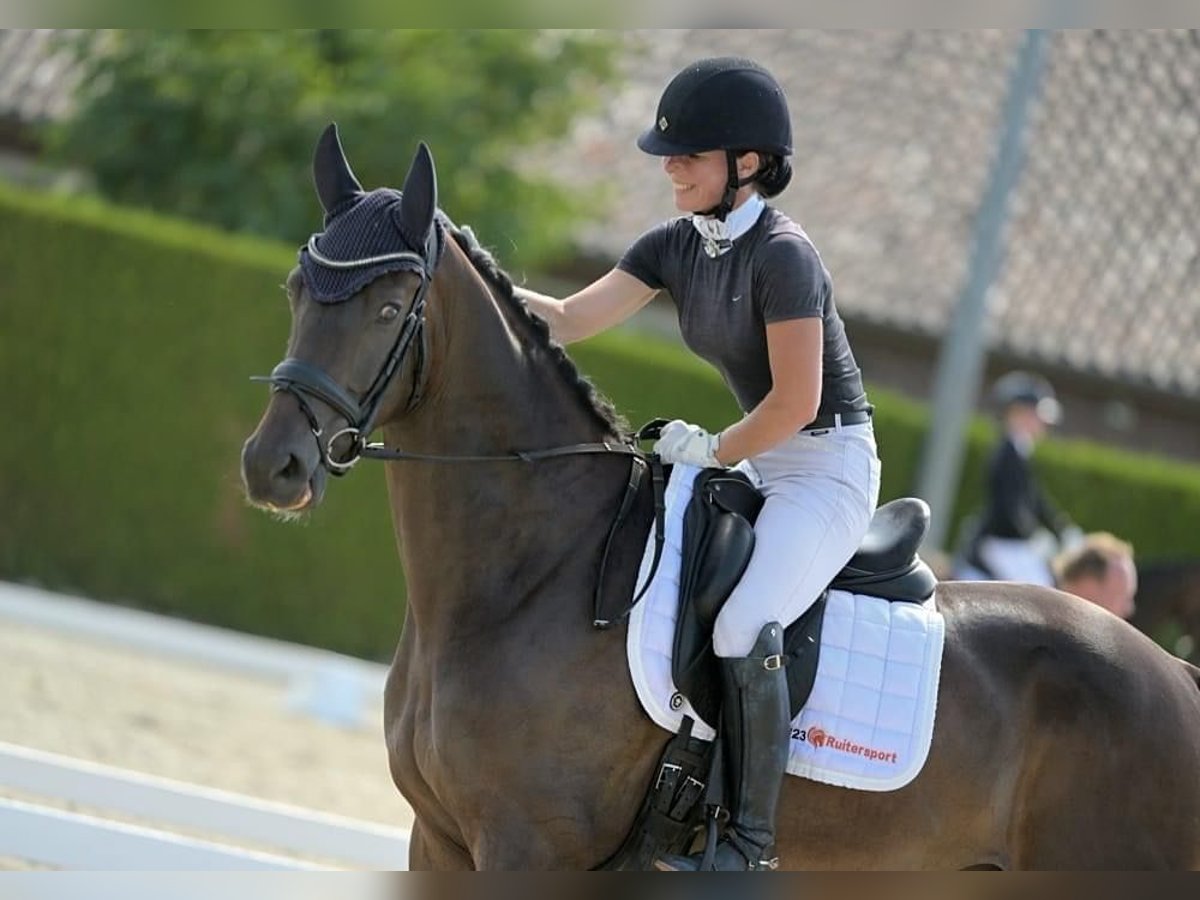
(481, 541)
(494, 385)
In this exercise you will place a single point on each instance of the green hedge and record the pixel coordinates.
(126, 342)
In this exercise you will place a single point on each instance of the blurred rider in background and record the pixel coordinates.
(1010, 540)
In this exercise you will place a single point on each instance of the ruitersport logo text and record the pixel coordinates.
(819, 738)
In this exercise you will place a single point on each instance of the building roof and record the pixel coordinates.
(35, 78)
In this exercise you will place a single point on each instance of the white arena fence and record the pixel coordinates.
(161, 824)
(181, 820)
(332, 687)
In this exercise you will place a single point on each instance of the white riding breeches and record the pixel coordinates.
(1014, 559)
(821, 491)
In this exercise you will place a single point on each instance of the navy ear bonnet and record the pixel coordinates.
(364, 238)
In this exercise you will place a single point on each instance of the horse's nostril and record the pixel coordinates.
(292, 470)
(274, 476)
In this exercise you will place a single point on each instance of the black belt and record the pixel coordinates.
(830, 420)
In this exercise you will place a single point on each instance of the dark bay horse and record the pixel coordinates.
(1064, 738)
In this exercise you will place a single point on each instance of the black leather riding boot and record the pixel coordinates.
(755, 733)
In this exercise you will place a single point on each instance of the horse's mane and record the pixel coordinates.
(499, 280)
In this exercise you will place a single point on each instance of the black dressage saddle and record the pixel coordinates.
(718, 539)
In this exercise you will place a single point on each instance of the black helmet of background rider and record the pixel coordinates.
(731, 104)
(1027, 389)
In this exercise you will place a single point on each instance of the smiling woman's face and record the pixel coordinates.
(698, 179)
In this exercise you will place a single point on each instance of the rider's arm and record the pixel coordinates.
(794, 348)
(603, 303)
(1050, 514)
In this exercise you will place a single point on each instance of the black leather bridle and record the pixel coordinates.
(306, 382)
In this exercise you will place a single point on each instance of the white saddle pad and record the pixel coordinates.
(869, 721)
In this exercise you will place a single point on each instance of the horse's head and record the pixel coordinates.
(354, 356)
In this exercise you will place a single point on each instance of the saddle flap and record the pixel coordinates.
(721, 565)
(718, 540)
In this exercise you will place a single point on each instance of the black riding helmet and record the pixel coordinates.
(725, 103)
(1027, 389)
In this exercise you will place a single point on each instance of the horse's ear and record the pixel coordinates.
(419, 202)
(331, 173)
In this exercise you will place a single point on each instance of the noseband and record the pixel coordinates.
(305, 382)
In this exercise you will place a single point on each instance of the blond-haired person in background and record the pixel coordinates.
(1101, 570)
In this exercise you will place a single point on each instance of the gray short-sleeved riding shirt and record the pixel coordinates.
(773, 273)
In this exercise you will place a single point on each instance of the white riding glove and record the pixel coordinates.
(681, 442)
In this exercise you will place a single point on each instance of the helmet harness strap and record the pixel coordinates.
(732, 184)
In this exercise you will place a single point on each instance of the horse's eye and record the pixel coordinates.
(389, 313)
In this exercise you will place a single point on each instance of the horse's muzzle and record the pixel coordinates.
(281, 476)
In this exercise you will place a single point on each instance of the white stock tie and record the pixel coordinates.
(719, 236)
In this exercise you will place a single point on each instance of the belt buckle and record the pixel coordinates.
(667, 769)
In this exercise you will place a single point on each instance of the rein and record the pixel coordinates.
(379, 451)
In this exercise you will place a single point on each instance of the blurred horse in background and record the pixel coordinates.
(1064, 738)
